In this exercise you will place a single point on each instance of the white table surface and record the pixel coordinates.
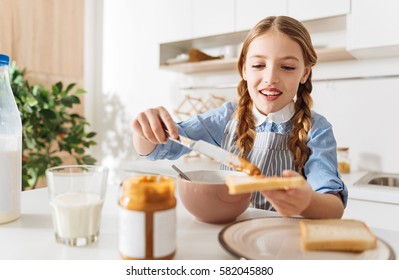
(31, 236)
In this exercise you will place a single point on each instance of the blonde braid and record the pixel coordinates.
(245, 131)
(302, 122)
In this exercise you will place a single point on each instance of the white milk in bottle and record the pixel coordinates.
(10, 148)
(10, 178)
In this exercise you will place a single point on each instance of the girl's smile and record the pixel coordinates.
(270, 93)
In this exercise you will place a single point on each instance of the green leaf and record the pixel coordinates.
(88, 160)
(70, 86)
(91, 135)
(68, 101)
(36, 90)
(26, 108)
(88, 144)
(92, 143)
(80, 91)
(57, 88)
(79, 151)
(31, 101)
(48, 114)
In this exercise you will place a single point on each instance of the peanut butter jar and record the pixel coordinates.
(344, 163)
(147, 218)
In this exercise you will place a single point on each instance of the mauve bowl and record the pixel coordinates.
(206, 196)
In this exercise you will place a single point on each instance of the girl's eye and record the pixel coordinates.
(288, 68)
(258, 66)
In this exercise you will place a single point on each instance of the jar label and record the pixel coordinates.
(132, 233)
(164, 232)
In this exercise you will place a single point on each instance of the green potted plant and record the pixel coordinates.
(50, 127)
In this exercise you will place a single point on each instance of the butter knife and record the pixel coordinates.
(218, 154)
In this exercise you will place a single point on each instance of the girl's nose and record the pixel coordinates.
(271, 76)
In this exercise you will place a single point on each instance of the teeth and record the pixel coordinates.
(271, 93)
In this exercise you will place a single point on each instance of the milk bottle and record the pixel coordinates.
(10, 148)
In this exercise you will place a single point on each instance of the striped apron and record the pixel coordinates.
(270, 153)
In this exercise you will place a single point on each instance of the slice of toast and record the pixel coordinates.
(336, 235)
(245, 184)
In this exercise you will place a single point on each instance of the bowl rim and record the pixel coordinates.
(222, 182)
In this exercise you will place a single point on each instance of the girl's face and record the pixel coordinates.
(274, 68)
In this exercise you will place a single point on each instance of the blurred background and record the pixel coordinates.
(131, 55)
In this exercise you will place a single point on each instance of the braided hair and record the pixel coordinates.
(245, 131)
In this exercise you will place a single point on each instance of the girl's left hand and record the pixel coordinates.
(291, 201)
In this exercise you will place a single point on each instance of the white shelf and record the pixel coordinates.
(203, 66)
(333, 54)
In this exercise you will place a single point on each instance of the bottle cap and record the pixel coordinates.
(4, 59)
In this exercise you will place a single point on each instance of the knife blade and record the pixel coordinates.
(218, 154)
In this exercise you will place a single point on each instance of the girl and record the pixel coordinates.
(272, 124)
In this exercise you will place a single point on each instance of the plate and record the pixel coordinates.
(276, 238)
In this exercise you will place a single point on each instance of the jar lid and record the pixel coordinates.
(149, 188)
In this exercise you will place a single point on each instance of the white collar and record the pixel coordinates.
(282, 116)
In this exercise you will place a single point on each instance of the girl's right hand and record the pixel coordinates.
(154, 125)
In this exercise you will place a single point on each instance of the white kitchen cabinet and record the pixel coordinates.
(374, 214)
(250, 12)
(211, 17)
(187, 19)
(174, 20)
(373, 28)
(314, 9)
(172, 49)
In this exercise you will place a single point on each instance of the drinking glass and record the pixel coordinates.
(76, 195)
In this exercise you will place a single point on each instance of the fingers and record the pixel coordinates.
(168, 123)
(290, 201)
(281, 197)
(153, 123)
(280, 203)
(291, 173)
(284, 202)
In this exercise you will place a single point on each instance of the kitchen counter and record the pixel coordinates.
(31, 236)
(369, 192)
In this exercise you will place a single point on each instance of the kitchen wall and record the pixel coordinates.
(129, 76)
(362, 111)
(364, 114)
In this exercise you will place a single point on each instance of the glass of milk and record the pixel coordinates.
(76, 194)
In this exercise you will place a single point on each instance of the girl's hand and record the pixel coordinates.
(151, 125)
(291, 201)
